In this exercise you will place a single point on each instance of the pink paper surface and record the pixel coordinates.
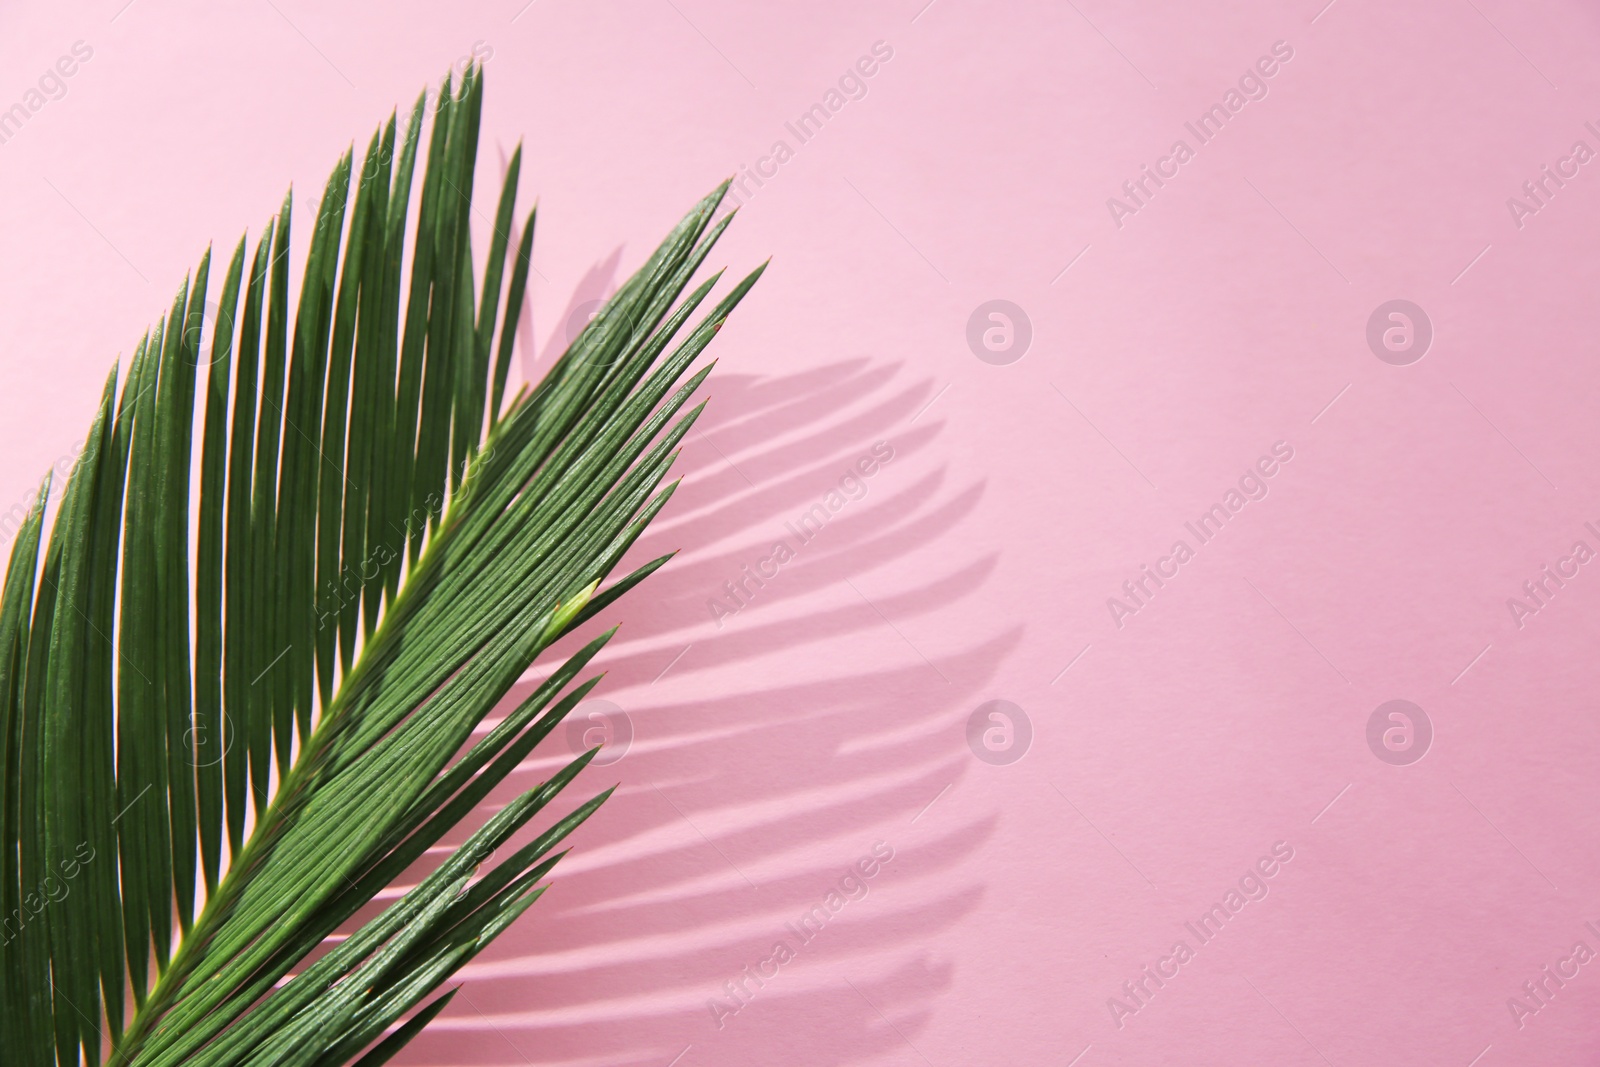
(1149, 755)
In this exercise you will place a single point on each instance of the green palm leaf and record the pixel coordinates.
(288, 577)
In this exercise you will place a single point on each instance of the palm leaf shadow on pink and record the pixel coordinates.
(688, 877)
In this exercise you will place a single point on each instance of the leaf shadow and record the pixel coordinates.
(739, 813)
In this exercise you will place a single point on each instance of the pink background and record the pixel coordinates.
(770, 753)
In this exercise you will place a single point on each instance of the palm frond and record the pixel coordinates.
(238, 704)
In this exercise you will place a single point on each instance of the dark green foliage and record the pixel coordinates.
(382, 545)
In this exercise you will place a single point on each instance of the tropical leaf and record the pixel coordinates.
(243, 667)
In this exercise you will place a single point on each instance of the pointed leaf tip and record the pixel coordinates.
(565, 613)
